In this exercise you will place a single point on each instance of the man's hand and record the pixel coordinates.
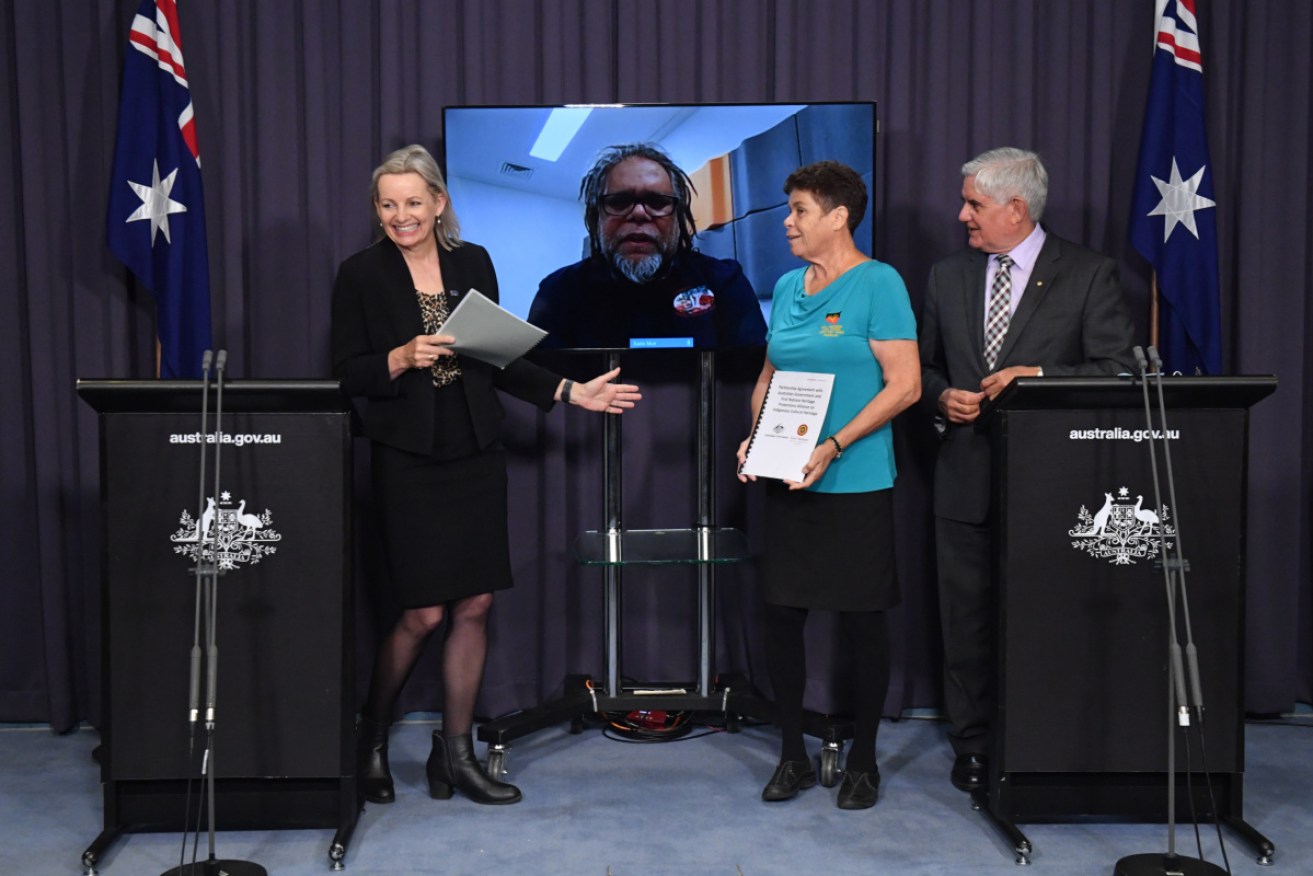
(960, 405)
(998, 381)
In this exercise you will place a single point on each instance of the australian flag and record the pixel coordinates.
(156, 223)
(1174, 215)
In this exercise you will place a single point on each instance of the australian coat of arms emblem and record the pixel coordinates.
(1122, 531)
(226, 534)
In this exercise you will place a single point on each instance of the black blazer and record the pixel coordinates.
(375, 311)
(1071, 320)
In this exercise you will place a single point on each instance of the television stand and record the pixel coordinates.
(612, 549)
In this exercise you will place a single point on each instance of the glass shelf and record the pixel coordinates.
(660, 547)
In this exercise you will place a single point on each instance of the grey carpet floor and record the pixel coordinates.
(593, 805)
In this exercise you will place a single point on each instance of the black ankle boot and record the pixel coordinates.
(372, 774)
(452, 764)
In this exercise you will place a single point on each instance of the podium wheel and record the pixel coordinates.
(829, 772)
(496, 763)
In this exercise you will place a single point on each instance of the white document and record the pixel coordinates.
(789, 424)
(489, 332)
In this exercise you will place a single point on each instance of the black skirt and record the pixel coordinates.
(830, 550)
(444, 524)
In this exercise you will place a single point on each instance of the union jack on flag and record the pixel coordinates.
(1173, 213)
(156, 219)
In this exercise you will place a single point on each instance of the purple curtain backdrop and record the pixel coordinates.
(297, 100)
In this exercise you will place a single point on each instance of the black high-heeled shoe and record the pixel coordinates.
(373, 775)
(452, 765)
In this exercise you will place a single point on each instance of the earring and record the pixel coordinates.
(439, 220)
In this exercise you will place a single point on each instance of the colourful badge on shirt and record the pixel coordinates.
(695, 301)
(832, 328)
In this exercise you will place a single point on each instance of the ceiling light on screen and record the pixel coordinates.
(562, 124)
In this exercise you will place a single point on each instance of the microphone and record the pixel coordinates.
(207, 611)
(1191, 653)
(1178, 680)
(211, 646)
(211, 674)
(1176, 668)
(1196, 686)
(194, 688)
(194, 696)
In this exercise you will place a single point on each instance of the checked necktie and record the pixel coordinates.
(1000, 301)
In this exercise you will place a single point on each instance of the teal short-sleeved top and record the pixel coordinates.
(829, 332)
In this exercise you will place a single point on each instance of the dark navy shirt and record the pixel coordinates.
(588, 304)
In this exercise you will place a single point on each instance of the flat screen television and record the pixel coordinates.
(514, 174)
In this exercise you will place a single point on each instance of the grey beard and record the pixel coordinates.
(641, 271)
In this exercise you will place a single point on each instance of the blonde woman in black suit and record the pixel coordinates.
(438, 467)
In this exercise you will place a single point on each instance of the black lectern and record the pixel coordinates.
(1083, 620)
(282, 534)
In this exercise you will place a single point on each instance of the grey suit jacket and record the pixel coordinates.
(1072, 320)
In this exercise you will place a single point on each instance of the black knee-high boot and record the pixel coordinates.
(452, 764)
(372, 772)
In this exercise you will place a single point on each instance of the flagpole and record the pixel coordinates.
(1153, 308)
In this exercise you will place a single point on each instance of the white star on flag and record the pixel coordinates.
(1180, 200)
(156, 205)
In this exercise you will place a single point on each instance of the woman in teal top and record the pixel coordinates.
(830, 535)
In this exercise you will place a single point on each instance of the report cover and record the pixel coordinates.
(789, 424)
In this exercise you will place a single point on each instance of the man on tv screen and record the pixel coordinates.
(643, 283)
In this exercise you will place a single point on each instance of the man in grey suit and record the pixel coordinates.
(1020, 302)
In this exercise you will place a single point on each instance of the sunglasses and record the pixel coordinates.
(622, 203)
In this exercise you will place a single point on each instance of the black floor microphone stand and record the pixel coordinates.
(207, 607)
(1178, 710)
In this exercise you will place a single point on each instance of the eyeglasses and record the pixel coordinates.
(623, 203)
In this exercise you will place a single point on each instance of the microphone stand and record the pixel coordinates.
(1178, 711)
(202, 571)
(207, 606)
